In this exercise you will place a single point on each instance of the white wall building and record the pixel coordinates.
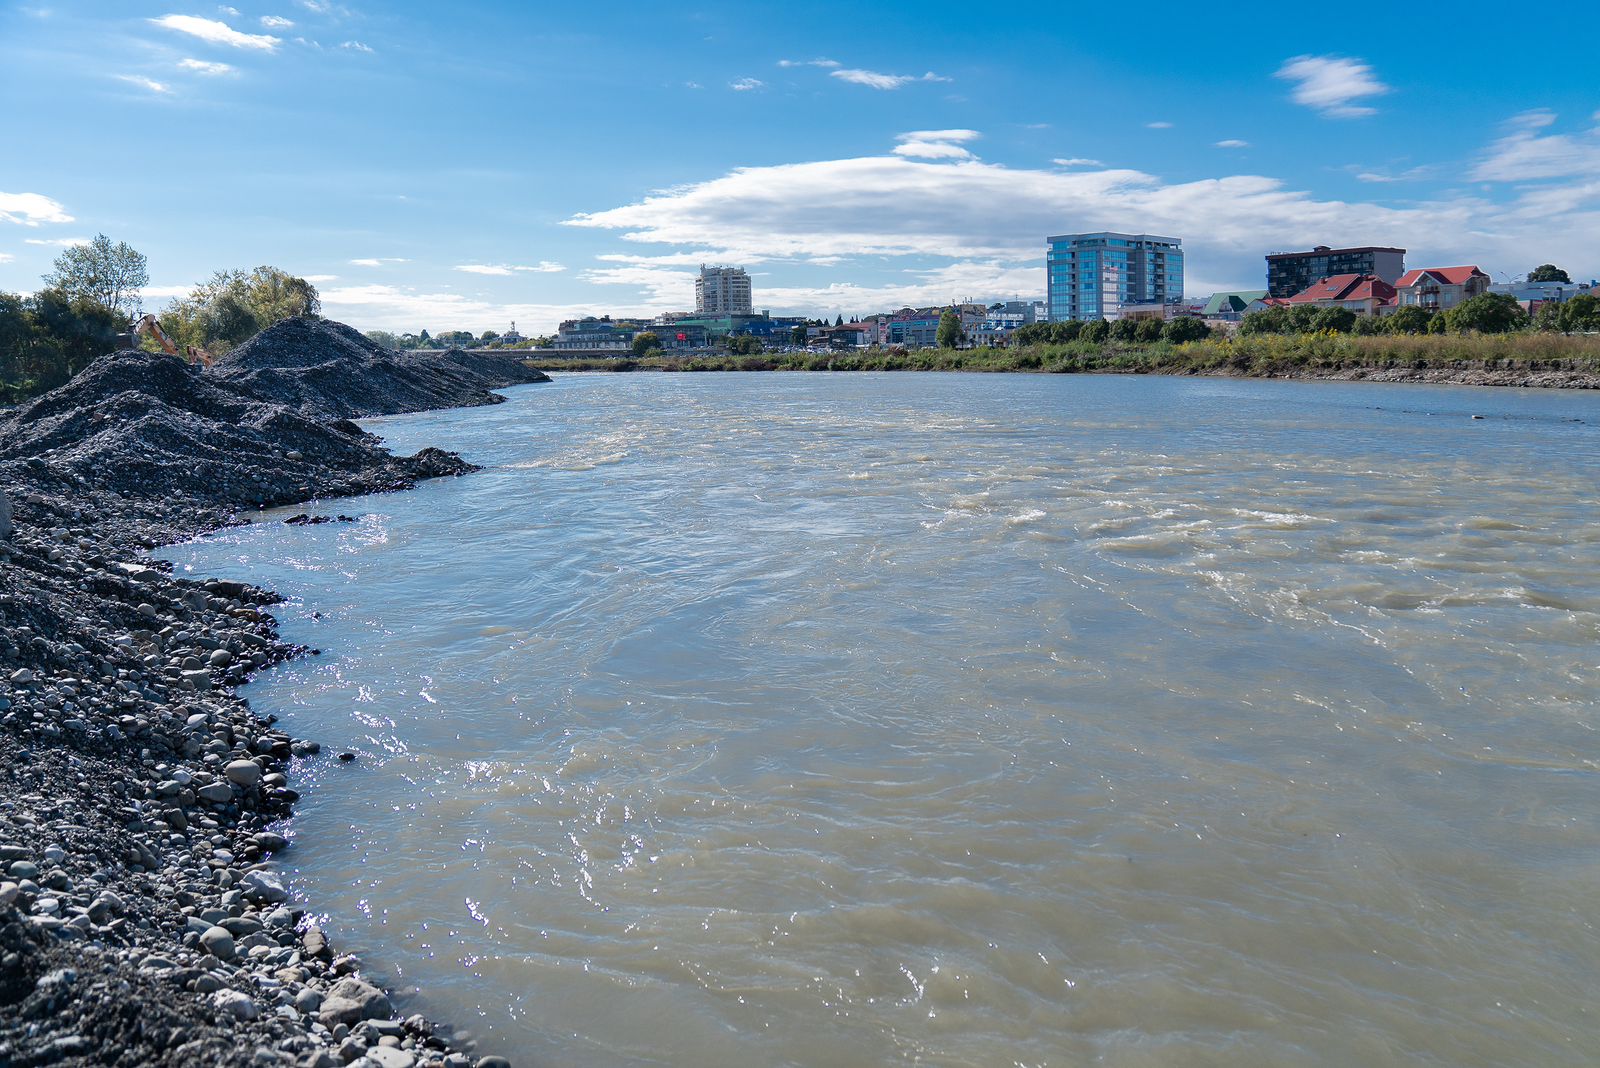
(722, 291)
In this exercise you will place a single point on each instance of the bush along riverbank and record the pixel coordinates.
(1513, 359)
(141, 800)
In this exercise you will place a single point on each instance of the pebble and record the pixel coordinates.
(236, 1003)
(243, 772)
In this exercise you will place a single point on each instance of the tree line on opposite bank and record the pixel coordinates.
(90, 299)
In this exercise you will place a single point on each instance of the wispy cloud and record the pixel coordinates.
(935, 144)
(318, 279)
(378, 261)
(1525, 154)
(1077, 161)
(201, 66)
(874, 80)
(217, 32)
(276, 22)
(1329, 84)
(144, 83)
(6, 257)
(746, 85)
(1162, 125)
(31, 209)
(1233, 142)
(356, 46)
(824, 63)
(508, 269)
(56, 242)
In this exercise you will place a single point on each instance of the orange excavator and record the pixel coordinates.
(192, 354)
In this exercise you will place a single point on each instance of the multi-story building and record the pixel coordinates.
(722, 291)
(1091, 276)
(1289, 273)
(1440, 288)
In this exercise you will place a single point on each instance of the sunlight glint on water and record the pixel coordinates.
(850, 720)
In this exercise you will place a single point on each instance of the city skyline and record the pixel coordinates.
(453, 171)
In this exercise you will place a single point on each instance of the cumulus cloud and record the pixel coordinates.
(935, 144)
(874, 80)
(508, 269)
(215, 32)
(1330, 84)
(402, 308)
(1524, 154)
(971, 211)
(745, 85)
(201, 66)
(1233, 142)
(144, 83)
(276, 22)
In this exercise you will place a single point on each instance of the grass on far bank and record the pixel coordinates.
(1259, 354)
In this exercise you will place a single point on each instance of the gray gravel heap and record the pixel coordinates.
(332, 370)
(141, 801)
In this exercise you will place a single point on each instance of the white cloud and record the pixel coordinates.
(230, 11)
(397, 308)
(939, 135)
(217, 32)
(874, 80)
(970, 211)
(1158, 126)
(200, 66)
(1233, 142)
(31, 209)
(826, 64)
(56, 242)
(6, 257)
(1329, 83)
(931, 150)
(276, 22)
(745, 85)
(505, 270)
(378, 261)
(1523, 154)
(144, 83)
(356, 46)
(318, 279)
(1077, 161)
(158, 292)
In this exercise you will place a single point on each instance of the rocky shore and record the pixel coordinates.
(141, 801)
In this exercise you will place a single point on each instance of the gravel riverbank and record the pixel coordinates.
(141, 801)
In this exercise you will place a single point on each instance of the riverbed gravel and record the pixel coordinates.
(143, 920)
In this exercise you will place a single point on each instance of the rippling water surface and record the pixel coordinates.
(964, 720)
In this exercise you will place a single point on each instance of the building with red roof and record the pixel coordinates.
(1440, 288)
(1364, 294)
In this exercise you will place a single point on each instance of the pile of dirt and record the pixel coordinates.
(329, 368)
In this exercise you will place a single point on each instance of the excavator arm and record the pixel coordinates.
(192, 354)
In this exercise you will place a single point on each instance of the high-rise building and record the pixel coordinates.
(722, 291)
(1091, 276)
(1289, 273)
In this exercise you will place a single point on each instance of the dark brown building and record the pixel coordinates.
(1289, 273)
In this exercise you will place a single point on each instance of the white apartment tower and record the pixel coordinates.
(722, 291)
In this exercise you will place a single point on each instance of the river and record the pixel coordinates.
(807, 719)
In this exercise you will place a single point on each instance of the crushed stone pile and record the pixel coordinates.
(331, 369)
(141, 800)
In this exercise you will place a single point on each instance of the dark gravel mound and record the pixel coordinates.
(332, 370)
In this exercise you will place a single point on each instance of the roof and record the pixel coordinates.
(1449, 276)
(1342, 287)
(1323, 250)
(1236, 300)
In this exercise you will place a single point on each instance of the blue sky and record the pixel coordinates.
(461, 166)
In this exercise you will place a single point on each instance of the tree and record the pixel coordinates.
(1336, 320)
(1273, 320)
(838, 320)
(384, 339)
(1408, 319)
(1065, 331)
(233, 306)
(1487, 313)
(488, 336)
(1436, 324)
(1185, 328)
(1581, 314)
(110, 275)
(645, 341)
(1149, 330)
(1124, 329)
(745, 345)
(1095, 330)
(797, 336)
(949, 334)
(1549, 272)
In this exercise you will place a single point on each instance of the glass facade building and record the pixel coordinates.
(1091, 276)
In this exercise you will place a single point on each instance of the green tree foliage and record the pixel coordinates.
(1095, 330)
(488, 336)
(1185, 328)
(1408, 319)
(1124, 329)
(1436, 324)
(645, 341)
(1581, 314)
(745, 345)
(1549, 272)
(1063, 332)
(1487, 313)
(50, 336)
(384, 338)
(1337, 320)
(797, 336)
(231, 307)
(1149, 330)
(949, 335)
(106, 274)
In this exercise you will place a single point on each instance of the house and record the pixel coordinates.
(1261, 304)
(1364, 294)
(1231, 307)
(1440, 288)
